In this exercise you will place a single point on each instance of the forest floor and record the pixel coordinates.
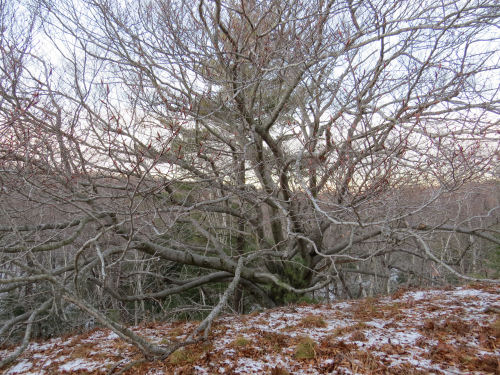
(437, 331)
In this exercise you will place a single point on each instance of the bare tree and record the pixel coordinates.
(276, 148)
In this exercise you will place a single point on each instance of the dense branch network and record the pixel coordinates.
(168, 160)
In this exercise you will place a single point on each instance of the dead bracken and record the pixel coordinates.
(431, 335)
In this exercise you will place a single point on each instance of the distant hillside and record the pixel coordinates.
(450, 331)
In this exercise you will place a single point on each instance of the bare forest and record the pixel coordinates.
(181, 159)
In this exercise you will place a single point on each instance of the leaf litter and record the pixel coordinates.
(447, 331)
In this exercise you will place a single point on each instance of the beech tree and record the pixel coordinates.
(179, 157)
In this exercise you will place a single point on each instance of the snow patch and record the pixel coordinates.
(20, 368)
(249, 366)
(78, 364)
(417, 295)
(406, 338)
(469, 293)
(112, 336)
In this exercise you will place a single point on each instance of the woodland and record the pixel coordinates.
(175, 160)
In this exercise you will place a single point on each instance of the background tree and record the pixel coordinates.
(163, 158)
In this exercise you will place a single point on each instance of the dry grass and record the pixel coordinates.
(313, 321)
(240, 342)
(305, 349)
(183, 356)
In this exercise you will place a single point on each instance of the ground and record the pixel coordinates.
(450, 331)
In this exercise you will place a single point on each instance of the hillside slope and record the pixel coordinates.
(452, 331)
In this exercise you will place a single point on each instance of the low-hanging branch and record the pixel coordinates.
(188, 284)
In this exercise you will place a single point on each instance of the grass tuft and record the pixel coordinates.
(305, 349)
(313, 321)
(181, 356)
(241, 341)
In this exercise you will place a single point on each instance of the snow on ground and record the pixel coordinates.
(452, 331)
(20, 368)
